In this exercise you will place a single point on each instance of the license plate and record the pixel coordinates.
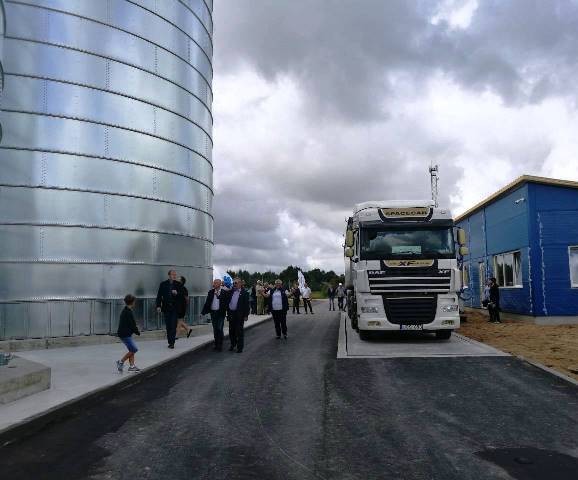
(411, 327)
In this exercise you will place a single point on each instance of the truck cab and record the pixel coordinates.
(402, 267)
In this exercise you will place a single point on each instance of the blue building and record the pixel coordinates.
(526, 235)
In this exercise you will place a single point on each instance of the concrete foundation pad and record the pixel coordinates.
(21, 378)
(409, 345)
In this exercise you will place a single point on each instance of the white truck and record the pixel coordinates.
(402, 267)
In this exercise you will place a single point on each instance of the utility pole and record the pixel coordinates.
(433, 171)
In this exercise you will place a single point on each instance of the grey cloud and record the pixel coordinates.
(344, 54)
(350, 61)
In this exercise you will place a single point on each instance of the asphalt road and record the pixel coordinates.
(291, 410)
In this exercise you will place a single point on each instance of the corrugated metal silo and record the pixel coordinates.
(105, 162)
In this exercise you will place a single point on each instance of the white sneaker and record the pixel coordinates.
(133, 368)
(119, 366)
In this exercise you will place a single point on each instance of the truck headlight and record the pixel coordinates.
(450, 308)
(368, 309)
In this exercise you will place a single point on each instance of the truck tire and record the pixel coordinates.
(443, 334)
(364, 335)
(354, 323)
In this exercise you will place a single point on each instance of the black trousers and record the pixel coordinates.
(340, 302)
(307, 301)
(494, 313)
(171, 326)
(218, 321)
(280, 320)
(331, 303)
(236, 331)
(296, 304)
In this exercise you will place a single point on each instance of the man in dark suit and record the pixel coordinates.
(278, 306)
(494, 304)
(237, 313)
(216, 304)
(167, 302)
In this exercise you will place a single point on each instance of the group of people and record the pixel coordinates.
(262, 290)
(338, 292)
(172, 301)
(234, 304)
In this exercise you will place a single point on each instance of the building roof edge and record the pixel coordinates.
(511, 186)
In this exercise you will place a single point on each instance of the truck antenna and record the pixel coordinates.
(433, 171)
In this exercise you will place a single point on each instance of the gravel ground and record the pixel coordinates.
(554, 346)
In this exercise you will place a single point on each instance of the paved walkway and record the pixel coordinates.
(80, 371)
(290, 410)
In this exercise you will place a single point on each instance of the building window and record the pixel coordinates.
(573, 253)
(508, 269)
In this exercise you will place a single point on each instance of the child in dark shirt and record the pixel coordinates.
(126, 327)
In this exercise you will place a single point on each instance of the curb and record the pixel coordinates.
(549, 370)
(74, 406)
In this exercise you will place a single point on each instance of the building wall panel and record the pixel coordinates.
(555, 227)
(106, 160)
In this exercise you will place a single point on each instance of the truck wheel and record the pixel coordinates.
(443, 334)
(364, 335)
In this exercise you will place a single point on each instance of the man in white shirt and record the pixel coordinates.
(216, 304)
(278, 306)
(306, 294)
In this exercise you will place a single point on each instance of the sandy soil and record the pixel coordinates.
(555, 347)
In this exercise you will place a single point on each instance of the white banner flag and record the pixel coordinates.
(300, 279)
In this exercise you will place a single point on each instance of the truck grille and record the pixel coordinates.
(428, 284)
(406, 310)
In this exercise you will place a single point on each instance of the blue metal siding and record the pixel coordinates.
(501, 227)
(555, 226)
(476, 235)
(507, 222)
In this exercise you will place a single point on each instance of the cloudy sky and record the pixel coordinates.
(321, 104)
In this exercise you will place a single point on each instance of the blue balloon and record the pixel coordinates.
(228, 281)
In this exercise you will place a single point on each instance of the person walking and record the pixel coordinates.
(306, 293)
(216, 304)
(266, 291)
(254, 300)
(279, 306)
(260, 298)
(494, 304)
(341, 297)
(182, 307)
(126, 328)
(237, 313)
(167, 302)
(331, 292)
(296, 293)
(486, 296)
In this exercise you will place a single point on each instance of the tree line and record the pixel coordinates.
(318, 280)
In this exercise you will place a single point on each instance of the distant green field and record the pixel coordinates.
(318, 295)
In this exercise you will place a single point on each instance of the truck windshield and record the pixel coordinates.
(430, 242)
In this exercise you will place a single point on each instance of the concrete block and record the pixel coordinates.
(21, 378)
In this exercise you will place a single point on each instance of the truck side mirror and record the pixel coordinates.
(462, 237)
(464, 251)
(349, 252)
(349, 238)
